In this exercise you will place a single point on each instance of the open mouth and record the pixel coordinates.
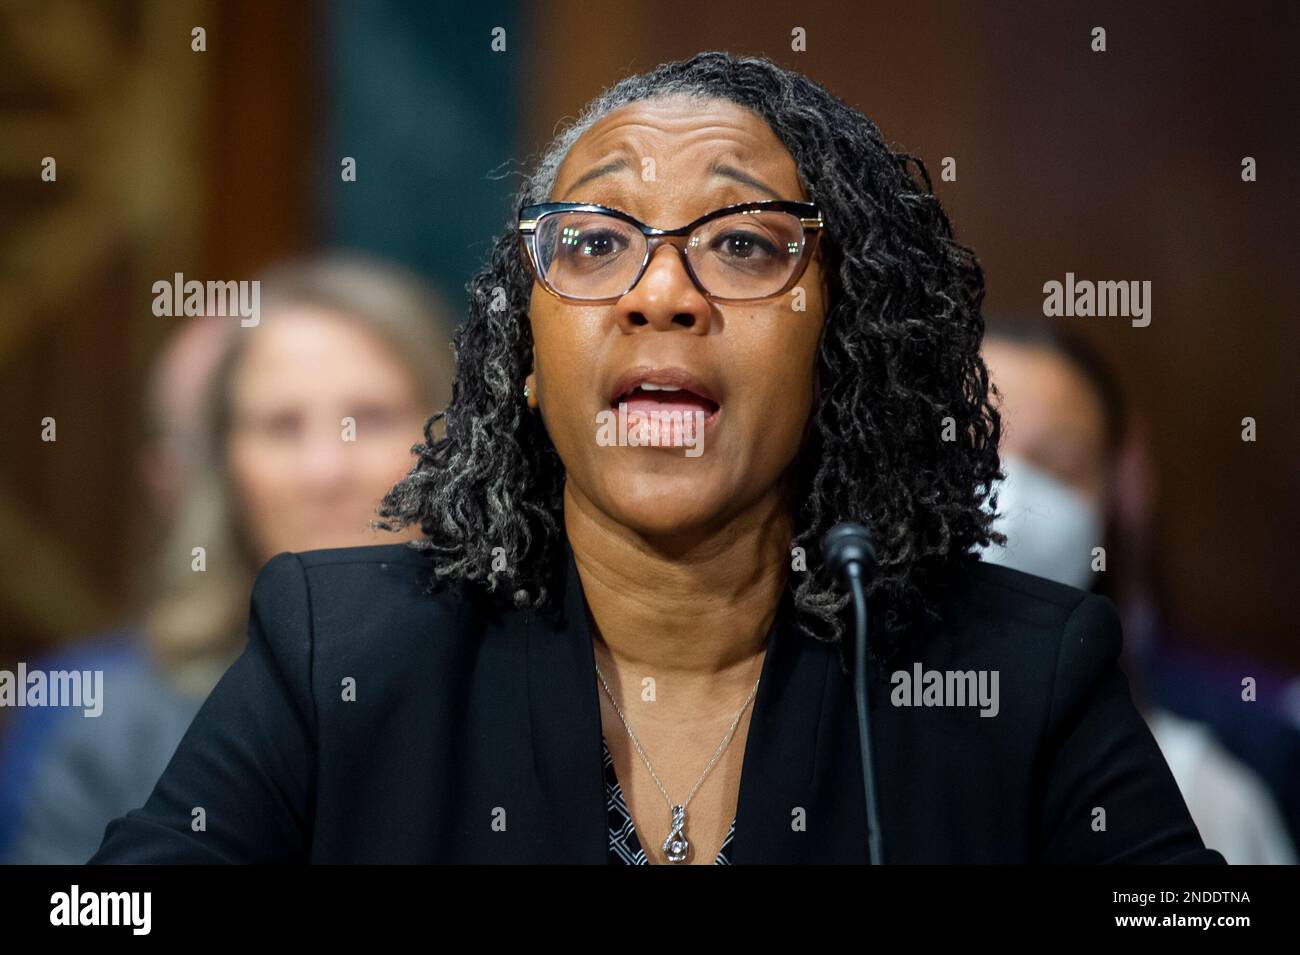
(649, 398)
(670, 392)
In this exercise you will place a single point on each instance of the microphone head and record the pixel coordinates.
(848, 543)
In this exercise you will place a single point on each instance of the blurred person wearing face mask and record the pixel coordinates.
(279, 436)
(1062, 449)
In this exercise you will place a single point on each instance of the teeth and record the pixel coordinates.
(648, 386)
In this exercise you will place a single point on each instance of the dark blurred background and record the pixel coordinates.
(1122, 165)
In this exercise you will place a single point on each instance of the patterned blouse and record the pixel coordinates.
(624, 848)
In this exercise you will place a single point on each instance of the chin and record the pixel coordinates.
(656, 505)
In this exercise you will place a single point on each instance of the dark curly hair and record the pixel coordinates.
(902, 436)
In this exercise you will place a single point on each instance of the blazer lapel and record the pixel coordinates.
(794, 806)
(564, 713)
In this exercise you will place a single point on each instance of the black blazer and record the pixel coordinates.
(464, 714)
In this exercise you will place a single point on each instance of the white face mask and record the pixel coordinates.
(1051, 528)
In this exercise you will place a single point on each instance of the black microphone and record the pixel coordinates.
(850, 557)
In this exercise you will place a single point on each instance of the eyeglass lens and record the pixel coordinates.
(590, 255)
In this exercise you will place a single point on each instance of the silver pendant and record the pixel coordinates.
(677, 847)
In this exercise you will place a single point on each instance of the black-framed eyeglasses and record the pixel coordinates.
(745, 252)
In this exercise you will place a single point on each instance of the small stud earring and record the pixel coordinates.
(527, 392)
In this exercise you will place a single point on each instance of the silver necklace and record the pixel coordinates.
(676, 847)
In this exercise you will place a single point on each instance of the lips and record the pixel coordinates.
(646, 389)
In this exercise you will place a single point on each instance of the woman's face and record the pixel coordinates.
(675, 160)
(304, 479)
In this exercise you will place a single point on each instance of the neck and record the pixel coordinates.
(692, 609)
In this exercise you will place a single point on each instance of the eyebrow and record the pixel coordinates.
(717, 169)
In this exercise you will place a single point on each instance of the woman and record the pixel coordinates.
(605, 582)
(263, 470)
(342, 338)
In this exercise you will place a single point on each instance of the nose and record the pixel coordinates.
(665, 297)
(325, 461)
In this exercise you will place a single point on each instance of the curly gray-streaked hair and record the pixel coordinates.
(902, 437)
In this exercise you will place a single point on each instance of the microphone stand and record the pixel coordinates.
(850, 555)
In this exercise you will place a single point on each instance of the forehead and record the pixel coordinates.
(295, 341)
(1043, 392)
(679, 156)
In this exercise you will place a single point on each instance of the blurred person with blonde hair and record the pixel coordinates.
(280, 436)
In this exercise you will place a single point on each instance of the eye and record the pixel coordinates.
(743, 244)
(282, 426)
(375, 417)
(596, 243)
